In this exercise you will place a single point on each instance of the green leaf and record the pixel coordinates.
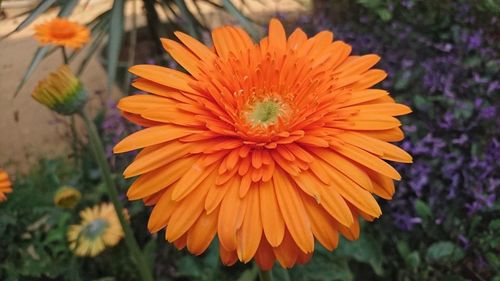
(115, 40)
(325, 267)
(444, 252)
(149, 252)
(249, 274)
(244, 21)
(494, 225)
(422, 209)
(365, 250)
(413, 260)
(384, 14)
(403, 249)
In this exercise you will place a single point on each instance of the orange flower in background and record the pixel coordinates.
(269, 146)
(62, 32)
(5, 185)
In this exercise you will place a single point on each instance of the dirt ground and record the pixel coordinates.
(28, 130)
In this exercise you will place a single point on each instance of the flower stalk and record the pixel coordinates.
(98, 151)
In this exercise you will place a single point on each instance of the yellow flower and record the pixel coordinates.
(62, 32)
(5, 185)
(67, 197)
(61, 91)
(99, 229)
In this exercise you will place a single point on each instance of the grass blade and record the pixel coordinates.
(244, 21)
(37, 58)
(115, 41)
(37, 11)
(188, 17)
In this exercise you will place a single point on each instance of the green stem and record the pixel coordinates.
(74, 140)
(65, 55)
(266, 275)
(98, 150)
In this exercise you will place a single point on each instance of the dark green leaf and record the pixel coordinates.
(384, 14)
(149, 252)
(422, 209)
(366, 250)
(249, 274)
(413, 260)
(494, 225)
(325, 267)
(444, 252)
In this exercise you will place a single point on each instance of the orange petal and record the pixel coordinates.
(161, 212)
(160, 178)
(368, 160)
(287, 252)
(228, 258)
(294, 215)
(251, 230)
(164, 76)
(265, 256)
(180, 54)
(201, 234)
(228, 218)
(323, 226)
(197, 175)
(187, 212)
(198, 48)
(156, 156)
(272, 220)
(151, 136)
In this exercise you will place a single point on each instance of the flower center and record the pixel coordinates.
(95, 228)
(265, 112)
(62, 31)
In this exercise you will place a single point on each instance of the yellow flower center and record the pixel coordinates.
(265, 112)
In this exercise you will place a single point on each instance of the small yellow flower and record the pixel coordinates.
(61, 91)
(5, 185)
(99, 228)
(62, 32)
(67, 197)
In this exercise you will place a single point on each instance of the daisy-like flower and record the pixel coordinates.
(99, 229)
(67, 197)
(269, 146)
(5, 185)
(61, 91)
(62, 32)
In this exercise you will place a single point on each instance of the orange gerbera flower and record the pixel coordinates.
(267, 145)
(62, 32)
(5, 185)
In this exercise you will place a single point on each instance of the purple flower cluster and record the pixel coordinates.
(115, 128)
(450, 78)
